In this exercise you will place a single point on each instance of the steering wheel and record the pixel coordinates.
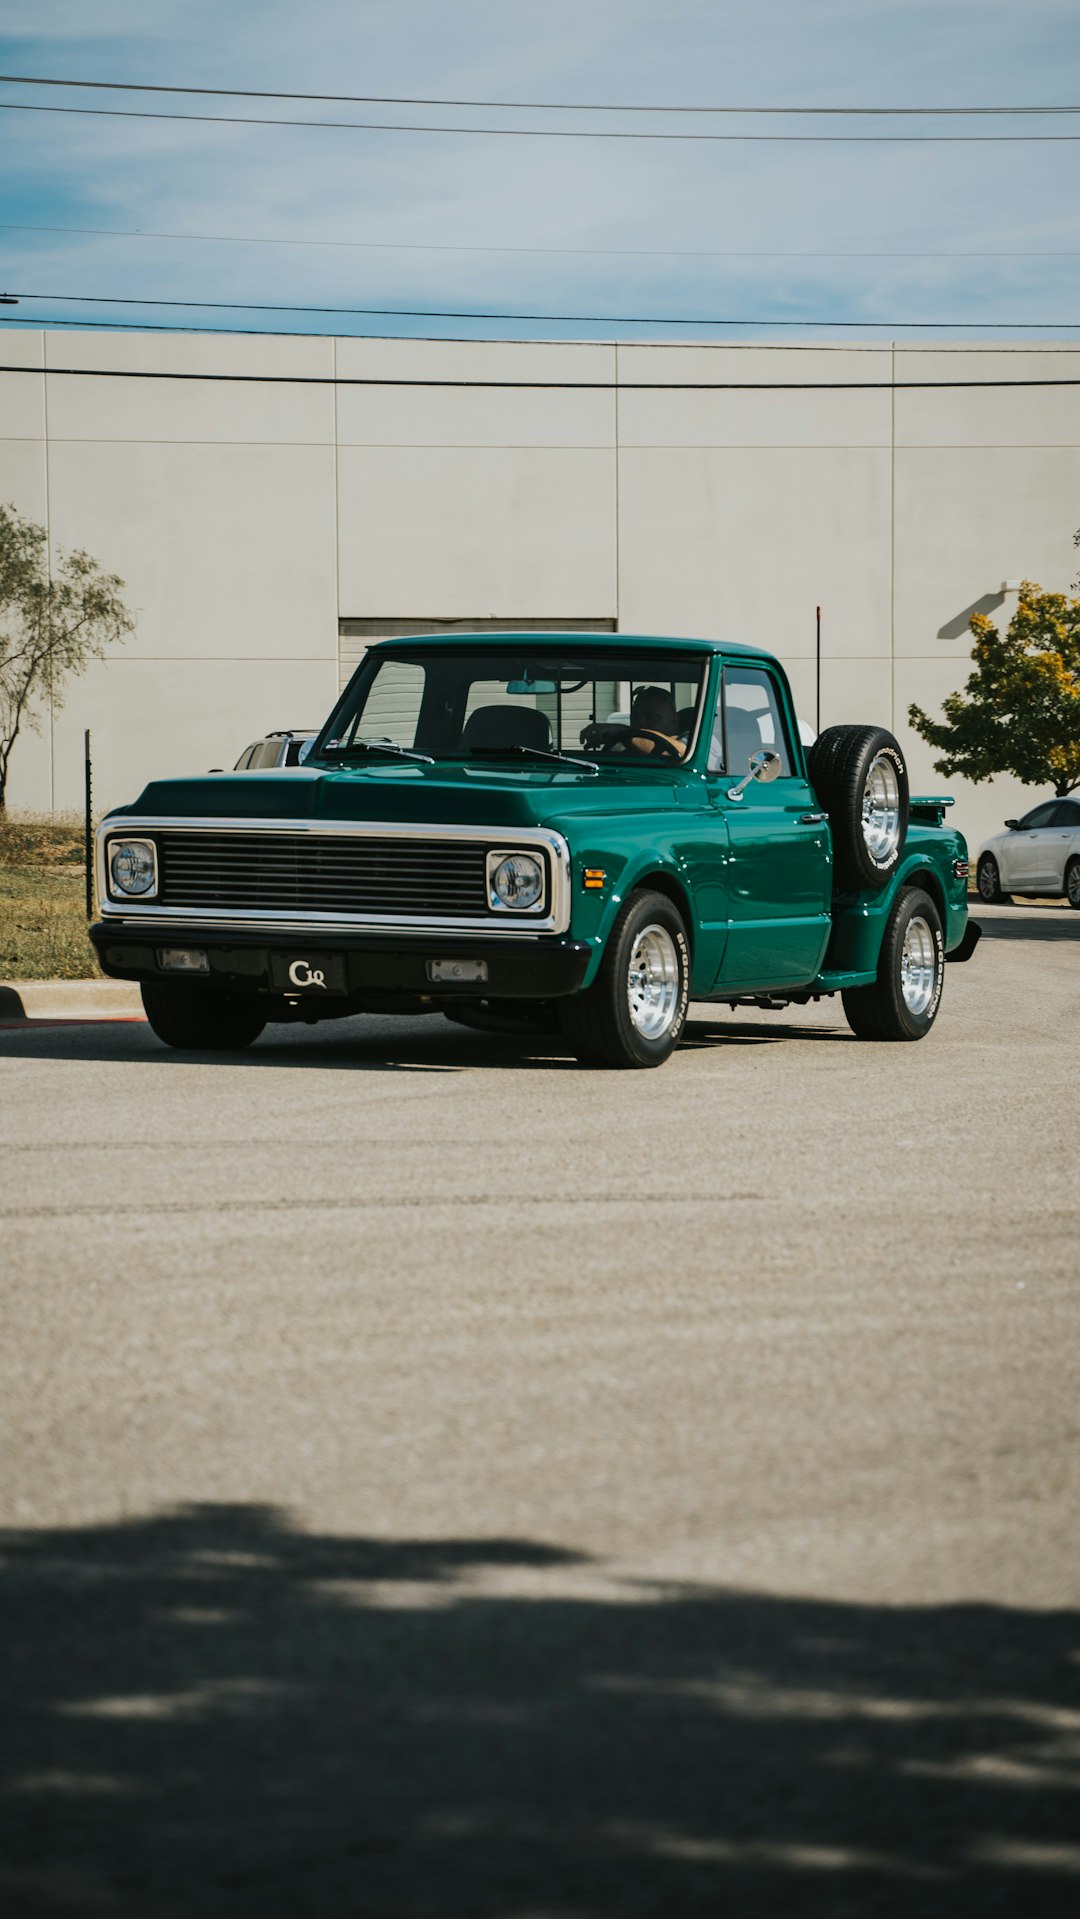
(607, 732)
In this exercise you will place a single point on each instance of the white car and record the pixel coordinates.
(1038, 857)
(286, 748)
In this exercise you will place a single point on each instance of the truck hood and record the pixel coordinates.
(439, 795)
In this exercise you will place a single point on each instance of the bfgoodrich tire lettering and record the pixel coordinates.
(903, 1002)
(860, 776)
(201, 1019)
(635, 1011)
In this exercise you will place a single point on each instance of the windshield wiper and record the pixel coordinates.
(376, 746)
(531, 753)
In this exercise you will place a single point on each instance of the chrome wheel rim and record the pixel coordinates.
(1072, 886)
(987, 880)
(652, 982)
(881, 809)
(918, 965)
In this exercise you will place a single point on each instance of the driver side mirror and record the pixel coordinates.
(764, 766)
(1013, 825)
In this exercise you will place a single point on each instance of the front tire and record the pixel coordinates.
(1072, 884)
(204, 1019)
(635, 1011)
(903, 1002)
(988, 881)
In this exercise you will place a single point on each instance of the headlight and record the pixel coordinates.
(515, 883)
(132, 867)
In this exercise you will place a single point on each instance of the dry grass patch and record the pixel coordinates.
(43, 899)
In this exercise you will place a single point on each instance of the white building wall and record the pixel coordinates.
(248, 514)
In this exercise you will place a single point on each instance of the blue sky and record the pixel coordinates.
(588, 227)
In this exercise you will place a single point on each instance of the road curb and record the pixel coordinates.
(69, 999)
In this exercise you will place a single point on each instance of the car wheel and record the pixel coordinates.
(1072, 884)
(903, 1002)
(201, 1018)
(635, 1011)
(988, 881)
(860, 777)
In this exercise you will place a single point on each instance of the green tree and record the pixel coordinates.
(52, 624)
(1019, 712)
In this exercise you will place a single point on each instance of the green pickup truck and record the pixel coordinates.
(577, 831)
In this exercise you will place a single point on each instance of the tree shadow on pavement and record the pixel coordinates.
(212, 1712)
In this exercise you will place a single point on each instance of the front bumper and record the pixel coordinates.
(379, 967)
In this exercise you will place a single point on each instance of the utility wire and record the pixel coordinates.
(572, 319)
(535, 386)
(566, 133)
(528, 106)
(588, 253)
(787, 347)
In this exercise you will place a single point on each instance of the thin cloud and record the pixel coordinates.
(426, 189)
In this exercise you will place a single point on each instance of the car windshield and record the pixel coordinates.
(540, 702)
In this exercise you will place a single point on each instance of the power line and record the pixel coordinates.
(588, 253)
(566, 133)
(514, 106)
(537, 386)
(788, 347)
(569, 319)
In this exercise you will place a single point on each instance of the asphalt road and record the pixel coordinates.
(442, 1481)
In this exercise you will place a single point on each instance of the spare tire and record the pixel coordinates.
(860, 777)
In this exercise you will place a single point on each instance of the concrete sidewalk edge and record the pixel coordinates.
(69, 999)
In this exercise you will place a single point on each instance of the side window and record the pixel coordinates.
(244, 761)
(1039, 816)
(747, 718)
(266, 754)
(1068, 814)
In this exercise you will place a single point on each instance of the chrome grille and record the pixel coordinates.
(323, 873)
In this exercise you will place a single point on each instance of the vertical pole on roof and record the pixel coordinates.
(817, 674)
(88, 824)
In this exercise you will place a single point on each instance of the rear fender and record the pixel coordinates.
(859, 919)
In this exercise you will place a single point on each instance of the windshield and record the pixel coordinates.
(543, 703)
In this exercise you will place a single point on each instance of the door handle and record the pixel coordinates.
(811, 819)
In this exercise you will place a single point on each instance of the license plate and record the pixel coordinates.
(311, 974)
(457, 972)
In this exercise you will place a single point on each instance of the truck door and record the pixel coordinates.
(779, 868)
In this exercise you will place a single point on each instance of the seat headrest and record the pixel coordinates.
(506, 726)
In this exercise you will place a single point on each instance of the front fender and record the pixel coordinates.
(649, 861)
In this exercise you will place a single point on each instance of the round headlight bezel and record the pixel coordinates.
(141, 856)
(512, 887)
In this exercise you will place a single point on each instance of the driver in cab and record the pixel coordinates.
(654, 711)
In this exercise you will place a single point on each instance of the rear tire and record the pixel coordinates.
(988, 881)
(635, 1010)
(204, 1019)
(903, 1002)
(860, 777)
(1072, 884)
